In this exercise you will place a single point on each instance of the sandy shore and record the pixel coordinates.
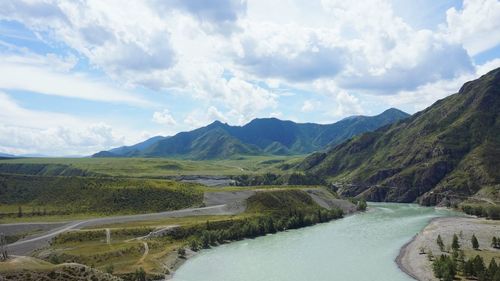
(411, 261)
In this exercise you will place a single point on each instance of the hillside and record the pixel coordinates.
(268, 136)
(448, 151)
(90, 195)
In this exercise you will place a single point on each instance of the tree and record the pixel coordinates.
(140, 275)
(468, 268)
(181, 252)
(3, 248)
(194, 244)
(444, 268)
(455, 245)
(475, 243)
(492, 268)
(440, 243)
(362, 205)
(496, 277)
(494, 242)
(478, 265)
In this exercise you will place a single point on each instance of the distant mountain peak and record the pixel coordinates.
(216, 124)
(393, 110)
(261, 136)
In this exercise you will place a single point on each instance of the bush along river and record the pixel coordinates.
(358, 248)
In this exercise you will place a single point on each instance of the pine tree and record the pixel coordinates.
(494, 242)
(468, 268)
(492, 268)
(140, 275)
(475, 243)
(478, 265)
(496, 277)
(455, 245)
(440, 243)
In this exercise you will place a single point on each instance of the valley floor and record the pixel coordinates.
(142, 241)
(413, 257)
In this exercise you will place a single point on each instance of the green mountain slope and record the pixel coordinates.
(268, 136)
(446, 152)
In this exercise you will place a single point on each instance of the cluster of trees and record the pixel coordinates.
(495, 242)
(455, 244)
(96, 235)
(214, 234)
(447, 267)
(35, 211)
(79, 236)
(70, 195)
(273, 179)
(361, 204)
(485, 211)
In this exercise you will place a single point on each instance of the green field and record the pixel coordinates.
(147, 167)
(42, 196)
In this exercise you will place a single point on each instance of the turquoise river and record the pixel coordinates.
(360, 247)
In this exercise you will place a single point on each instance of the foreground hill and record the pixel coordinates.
(448, 151)
(268, 136)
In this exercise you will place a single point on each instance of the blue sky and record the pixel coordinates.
(77, 77)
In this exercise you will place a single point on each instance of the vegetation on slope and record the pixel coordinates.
(447, 152)
(76, 195)
(42, 169)
(268, 136)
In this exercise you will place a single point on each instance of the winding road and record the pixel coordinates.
(218, 203)
(31, 243)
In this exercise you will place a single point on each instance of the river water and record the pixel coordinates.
(361, 247)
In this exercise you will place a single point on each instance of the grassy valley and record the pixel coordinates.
(147, 167)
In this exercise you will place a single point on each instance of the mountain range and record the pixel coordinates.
(5, 155)
(266, 136)
(445, 153)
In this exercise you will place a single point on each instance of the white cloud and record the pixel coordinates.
(45, 77)
(427, 94)
(347, 105)
(30, 131)
(164, 118)
(198, 118)
(215, 114)
(216, 15)
(476, 25)
(238, 60)
(308, 106)
(124, 42)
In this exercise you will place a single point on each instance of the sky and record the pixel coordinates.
(77, 77)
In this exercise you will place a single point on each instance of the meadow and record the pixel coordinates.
(148, 167)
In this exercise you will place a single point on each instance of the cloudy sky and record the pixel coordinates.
(77, 77)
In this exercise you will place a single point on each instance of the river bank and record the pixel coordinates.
(413, 256)
(173, 261)
(363, 239)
